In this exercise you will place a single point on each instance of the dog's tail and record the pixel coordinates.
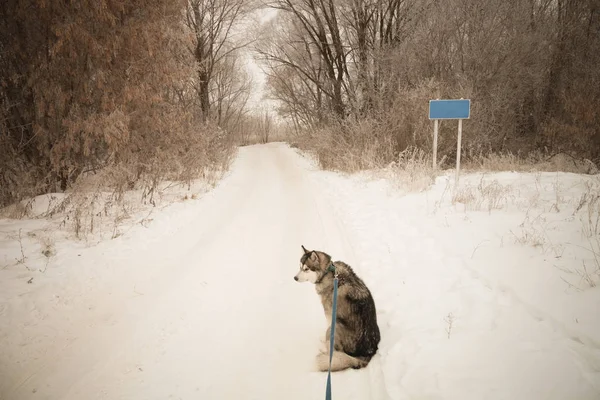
(341, 361)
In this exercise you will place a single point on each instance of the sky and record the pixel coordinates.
(256, 102)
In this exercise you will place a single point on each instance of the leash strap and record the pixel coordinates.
(332, 338)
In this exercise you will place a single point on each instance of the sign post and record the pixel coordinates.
(458, 150)
(435, 135)
(449, 109)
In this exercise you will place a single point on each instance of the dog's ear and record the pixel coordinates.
(314, 257)
(304, 249)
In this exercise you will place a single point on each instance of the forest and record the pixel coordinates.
(135, 92)
(360, 74)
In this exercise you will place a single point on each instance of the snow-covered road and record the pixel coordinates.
(212, 310)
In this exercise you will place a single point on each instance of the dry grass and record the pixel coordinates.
(533, 162)
(535, 231)
(25, 208)
(355, 147)
(15, 211)
(485, 196)
(413, 171)
(349, 146)
(587, 276)
(48, 246)
(102, 199)
(364, 145)
(399, 129)
(530, 236)
(257, 138)
(449, 319)
(588, 208)
(401, 143)
(22, 259)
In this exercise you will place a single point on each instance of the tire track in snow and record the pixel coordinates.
(375, 378)
(334, 240)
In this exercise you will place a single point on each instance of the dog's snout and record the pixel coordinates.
(296, 278)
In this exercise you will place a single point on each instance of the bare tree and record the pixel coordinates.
(319, 38)
(530, 67)
(266, 125)
(295, 72)
(213, 23)
(230, 92)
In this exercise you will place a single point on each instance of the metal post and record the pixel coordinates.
(458, 149)
(435, 135)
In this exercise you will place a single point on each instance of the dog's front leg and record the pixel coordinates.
(337, 346)
(324, 349)
(325, 342)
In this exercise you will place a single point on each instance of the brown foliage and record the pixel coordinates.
(91, 84)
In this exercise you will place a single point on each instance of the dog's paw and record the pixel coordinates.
(322, 362)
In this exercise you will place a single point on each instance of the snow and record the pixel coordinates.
(481, 292)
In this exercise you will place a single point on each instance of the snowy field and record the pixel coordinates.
(490, 291)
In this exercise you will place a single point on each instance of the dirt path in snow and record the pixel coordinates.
(207, 309)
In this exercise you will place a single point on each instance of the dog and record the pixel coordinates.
(357, 334)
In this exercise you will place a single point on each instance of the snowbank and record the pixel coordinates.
(491, 291)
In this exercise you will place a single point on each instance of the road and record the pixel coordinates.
(206, 306)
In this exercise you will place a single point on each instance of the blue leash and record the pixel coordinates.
(332, 338)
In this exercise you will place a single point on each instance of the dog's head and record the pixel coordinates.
(310, 266)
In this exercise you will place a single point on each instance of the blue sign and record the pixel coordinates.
(449, 109)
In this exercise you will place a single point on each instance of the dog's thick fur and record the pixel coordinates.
(356, 331)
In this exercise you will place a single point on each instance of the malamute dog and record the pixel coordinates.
(356, 331)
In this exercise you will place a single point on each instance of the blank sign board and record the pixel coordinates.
(450, 109)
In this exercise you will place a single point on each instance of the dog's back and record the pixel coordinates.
(357, 331)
